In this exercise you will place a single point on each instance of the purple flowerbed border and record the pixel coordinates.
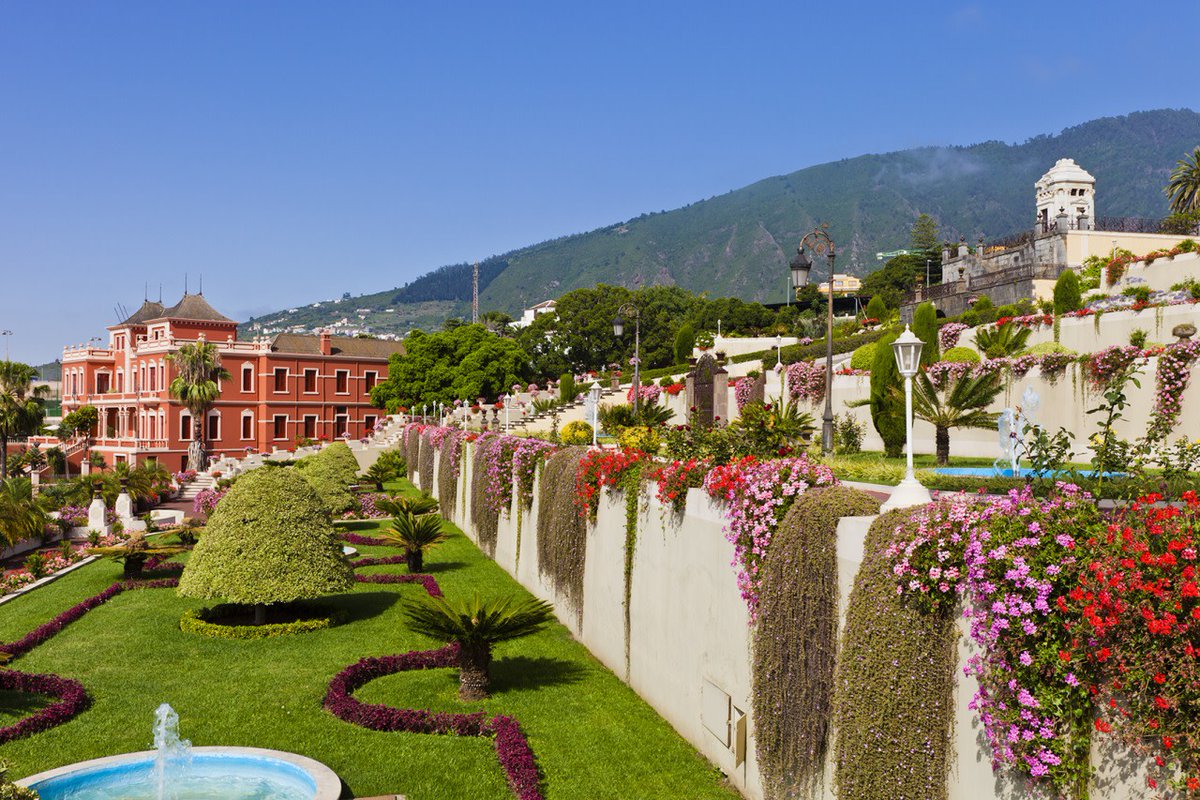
(428, 581)
(377, 561)
(512, 748)
(364, 541)
(72, 699)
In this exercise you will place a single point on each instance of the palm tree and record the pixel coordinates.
(20, 515)
(417, 534)
(999, 341)
(476, 626)
(21, 406)
(1184, 186)
(196, 387)
(959, 404)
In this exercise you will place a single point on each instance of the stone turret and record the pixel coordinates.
(1069, 190)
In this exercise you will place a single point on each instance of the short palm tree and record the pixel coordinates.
(417, 534)
(196, 386)
(999, 341)
(423, 503)
(379, 474)
(477, 625)
(962, 403)
(1183, 190)
(20, 515)
(21, 406)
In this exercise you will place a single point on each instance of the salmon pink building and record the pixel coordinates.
(281, 390)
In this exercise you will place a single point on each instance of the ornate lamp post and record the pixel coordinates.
(909, 492)
(630, 310)
(507, 402)
(801, 266)
(594, 398)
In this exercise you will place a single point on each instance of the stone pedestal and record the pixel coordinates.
(96, 512)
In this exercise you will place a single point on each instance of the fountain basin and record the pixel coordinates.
(214, 773)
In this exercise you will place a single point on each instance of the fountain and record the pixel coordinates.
(175, 770)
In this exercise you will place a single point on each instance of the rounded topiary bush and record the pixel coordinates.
(330, 472)
(228, 621)
(270, 541)
(961, 355)
(577, 432)
(1048, 347)
(863, 356)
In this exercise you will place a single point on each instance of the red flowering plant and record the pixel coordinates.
(1137, 607)
(598, 469)
(673, 389)
(675, 478)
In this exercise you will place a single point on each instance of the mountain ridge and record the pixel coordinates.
(738, 243)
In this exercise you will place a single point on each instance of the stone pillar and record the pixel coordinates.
(721, 397)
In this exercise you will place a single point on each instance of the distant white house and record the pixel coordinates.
(530, 314)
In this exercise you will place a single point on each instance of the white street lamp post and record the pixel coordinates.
(909, 492)
(507, 401)
(594, 396)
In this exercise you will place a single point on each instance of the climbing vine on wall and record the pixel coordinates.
(449, 463)
(485, 511)
(561, 530)
(795, 641)
(412, 447)
(427, 455)
(893, 703)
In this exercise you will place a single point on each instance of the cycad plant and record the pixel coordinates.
(961, 403)
(416, 534)
(476, 625)
(379, 474)
(423, 503)
(998, 341)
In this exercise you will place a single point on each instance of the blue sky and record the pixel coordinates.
(291, 151)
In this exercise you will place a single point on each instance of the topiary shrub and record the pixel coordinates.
(925, 327)
(330, 472)
(887, 413)
(795, 641)
(566, 388)
(561, 530)
(576, 433)
(270, 541)
(961, 355)
(1048, 347)
(863, 357)
(1068, 294)
(876, 308)
(219, 622)
(893, 704)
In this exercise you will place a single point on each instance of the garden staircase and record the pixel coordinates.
(203, 481)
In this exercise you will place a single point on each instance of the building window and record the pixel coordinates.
(153, 384)
(341, 383)
(341, 421)
(214, 426)
(247, 426)
(369, 381)
(310, 426)
(102, 382)
(368, 424)
(280, 426)
(281, 379)
(185, 427)
(120, 381)
(310, 381)
(247, 378)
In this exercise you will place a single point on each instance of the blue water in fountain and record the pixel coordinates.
(1022, 472)
(175, 772)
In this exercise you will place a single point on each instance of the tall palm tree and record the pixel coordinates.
(21, 406)
(195, 385)
(1184, 186)
(20, 515)
(476, 626)
(961, 403)
(417, 534)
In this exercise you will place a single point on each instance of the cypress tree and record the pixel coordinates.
(925, 327)
(1067, 294)
(887, 409)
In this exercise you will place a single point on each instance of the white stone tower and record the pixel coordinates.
(1069, 190)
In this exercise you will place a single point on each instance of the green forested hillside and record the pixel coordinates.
(738, 243)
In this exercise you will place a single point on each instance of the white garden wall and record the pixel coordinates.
(689, 647)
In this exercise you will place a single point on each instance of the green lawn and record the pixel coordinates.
(593, 737)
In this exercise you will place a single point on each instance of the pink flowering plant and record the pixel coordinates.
(942, 374)
(756, 495)
(1102, 368)
(1034, 698)
(1171, 379)
(527, 453)
(806, 381)
(948, 334)
(648, 392)
(927, 553)
(743, 392)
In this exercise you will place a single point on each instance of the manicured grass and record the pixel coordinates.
(593, 737)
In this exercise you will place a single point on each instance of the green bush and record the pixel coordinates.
(330, 472)
(970, 318)
(886, 410)
(200, 621)
(1068, 294)
(269, 541)
(961, 355)
(576, 433)
(1048, 347)
(566, 388)
(925, 327)
(863, 357)
(685, 340)
(877, 309)
(1188, 246)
